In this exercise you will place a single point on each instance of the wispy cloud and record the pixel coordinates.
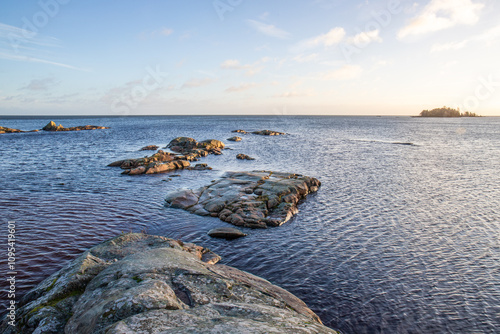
(364, 38)
(489, 36)
(306, 58)
(240, 88)
(269, 29)
(162, 32)
(442, 14)
(40, 84)
(197, 82)
(346, 72)
(251, 69)
(331, 38)
(22, 45)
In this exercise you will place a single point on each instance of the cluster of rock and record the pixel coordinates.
(138, 283)
(10, 130)
(187, 149)
(261, 132)
(53, 127)
(255, 199)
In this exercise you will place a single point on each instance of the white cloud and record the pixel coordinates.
(346, 72)
(197, 82)
(40, 84)
(364, 38)
(331, 38)
(269, 29)
(306, 58)
(293, 94)
(442, 14)
(232, 64)
(241, 87)
(489, 36)
(251, 69)
(449, 46)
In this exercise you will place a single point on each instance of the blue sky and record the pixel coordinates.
(236, 57)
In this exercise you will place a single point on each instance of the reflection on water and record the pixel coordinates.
(399, 238)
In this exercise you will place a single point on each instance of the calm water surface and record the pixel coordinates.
(399, 238)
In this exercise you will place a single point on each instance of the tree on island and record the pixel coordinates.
(446, 112)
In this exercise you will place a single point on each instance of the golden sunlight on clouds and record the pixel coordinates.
(442, 14)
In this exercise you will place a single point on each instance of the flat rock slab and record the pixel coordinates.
(229, 233)
(255, 199)
(138, 283)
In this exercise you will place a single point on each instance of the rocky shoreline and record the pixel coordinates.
(138, 283)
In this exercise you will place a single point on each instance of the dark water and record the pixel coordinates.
(399, 238)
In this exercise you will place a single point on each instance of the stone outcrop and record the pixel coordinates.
(9, 130)
(255, 199)
(228, 233)
(186, 149)
(234, 139)
(268, 133)
(150, 148)
(138, 283)
(261, 132)
(157, 163)
(51, 126)
(242, 156)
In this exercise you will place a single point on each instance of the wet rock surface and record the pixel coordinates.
(242, 156)
(235, 139)
(51, 126)
(228, 233)
(150, 148)
(261, 132)
(255, 199)
(138, 283)
(186, 149)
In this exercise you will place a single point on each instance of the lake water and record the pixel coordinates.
(399, 238)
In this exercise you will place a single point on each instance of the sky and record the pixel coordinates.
(240, 57)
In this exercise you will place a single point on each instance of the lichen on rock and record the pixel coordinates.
(138, 283)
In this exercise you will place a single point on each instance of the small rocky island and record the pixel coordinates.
(186, 149)
(52, 126)
(255, 199)
(446, 112)
(138, 283)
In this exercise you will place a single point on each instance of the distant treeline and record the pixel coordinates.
(446, 112)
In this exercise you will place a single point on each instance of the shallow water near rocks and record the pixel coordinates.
(402, 237)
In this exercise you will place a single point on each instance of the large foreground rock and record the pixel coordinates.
(138, 283)
(251, 199)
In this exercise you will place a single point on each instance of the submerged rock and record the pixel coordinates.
(235, 139)
(268, 133)
(229, 233)
(251, 199)
(261, 132)
(138, 283)
(149, 148)
(51, 126)
(242, 156)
